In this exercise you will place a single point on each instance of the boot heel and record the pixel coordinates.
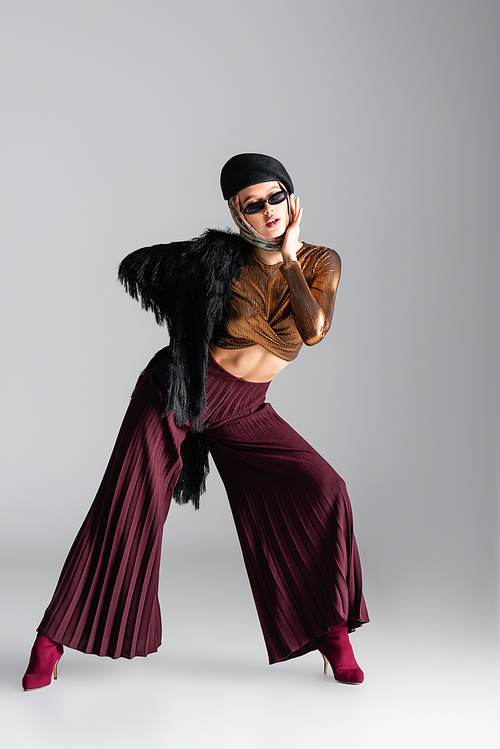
(336, 650)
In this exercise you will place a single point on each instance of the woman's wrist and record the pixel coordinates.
(289, 255)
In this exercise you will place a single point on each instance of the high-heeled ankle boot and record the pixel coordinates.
(45, 655)
(336, 650)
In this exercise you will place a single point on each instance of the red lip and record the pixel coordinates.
(273, 222)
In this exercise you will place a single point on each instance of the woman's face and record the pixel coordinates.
(272, 220)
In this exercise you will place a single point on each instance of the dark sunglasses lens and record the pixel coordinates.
(253, 208)
(278, 197)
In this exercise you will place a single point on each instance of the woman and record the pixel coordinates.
(237, 308)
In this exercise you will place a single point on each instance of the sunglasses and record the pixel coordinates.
(278, 197)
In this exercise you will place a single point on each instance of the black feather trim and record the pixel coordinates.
(187, 286)
(195, 468)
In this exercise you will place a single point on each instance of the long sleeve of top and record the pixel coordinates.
(312, 306)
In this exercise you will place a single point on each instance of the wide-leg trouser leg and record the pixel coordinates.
(294, 521)
(106, 600)
(291, 511)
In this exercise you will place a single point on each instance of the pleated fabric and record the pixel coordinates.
(291, 510)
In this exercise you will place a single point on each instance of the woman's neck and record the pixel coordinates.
(268, 257)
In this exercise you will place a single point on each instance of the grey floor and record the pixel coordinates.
(210, 685)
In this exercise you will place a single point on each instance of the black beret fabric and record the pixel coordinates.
(247, 169)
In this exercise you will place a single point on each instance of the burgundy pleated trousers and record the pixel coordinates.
(291, 510)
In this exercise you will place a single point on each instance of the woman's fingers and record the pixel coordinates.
(296, 209)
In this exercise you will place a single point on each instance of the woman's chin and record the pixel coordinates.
(273, 233)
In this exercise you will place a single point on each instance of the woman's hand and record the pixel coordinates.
(291, 241)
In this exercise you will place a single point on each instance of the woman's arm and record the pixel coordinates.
(313, 306)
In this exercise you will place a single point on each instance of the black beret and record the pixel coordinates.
(247, 169)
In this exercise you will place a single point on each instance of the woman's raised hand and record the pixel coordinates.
(291, 240)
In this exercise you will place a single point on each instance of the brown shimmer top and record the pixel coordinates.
(281, 306)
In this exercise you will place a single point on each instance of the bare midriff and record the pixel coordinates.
(253, 363)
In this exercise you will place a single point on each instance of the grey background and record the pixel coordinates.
(116, 119)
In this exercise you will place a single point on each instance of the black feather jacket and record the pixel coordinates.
(187, 286)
